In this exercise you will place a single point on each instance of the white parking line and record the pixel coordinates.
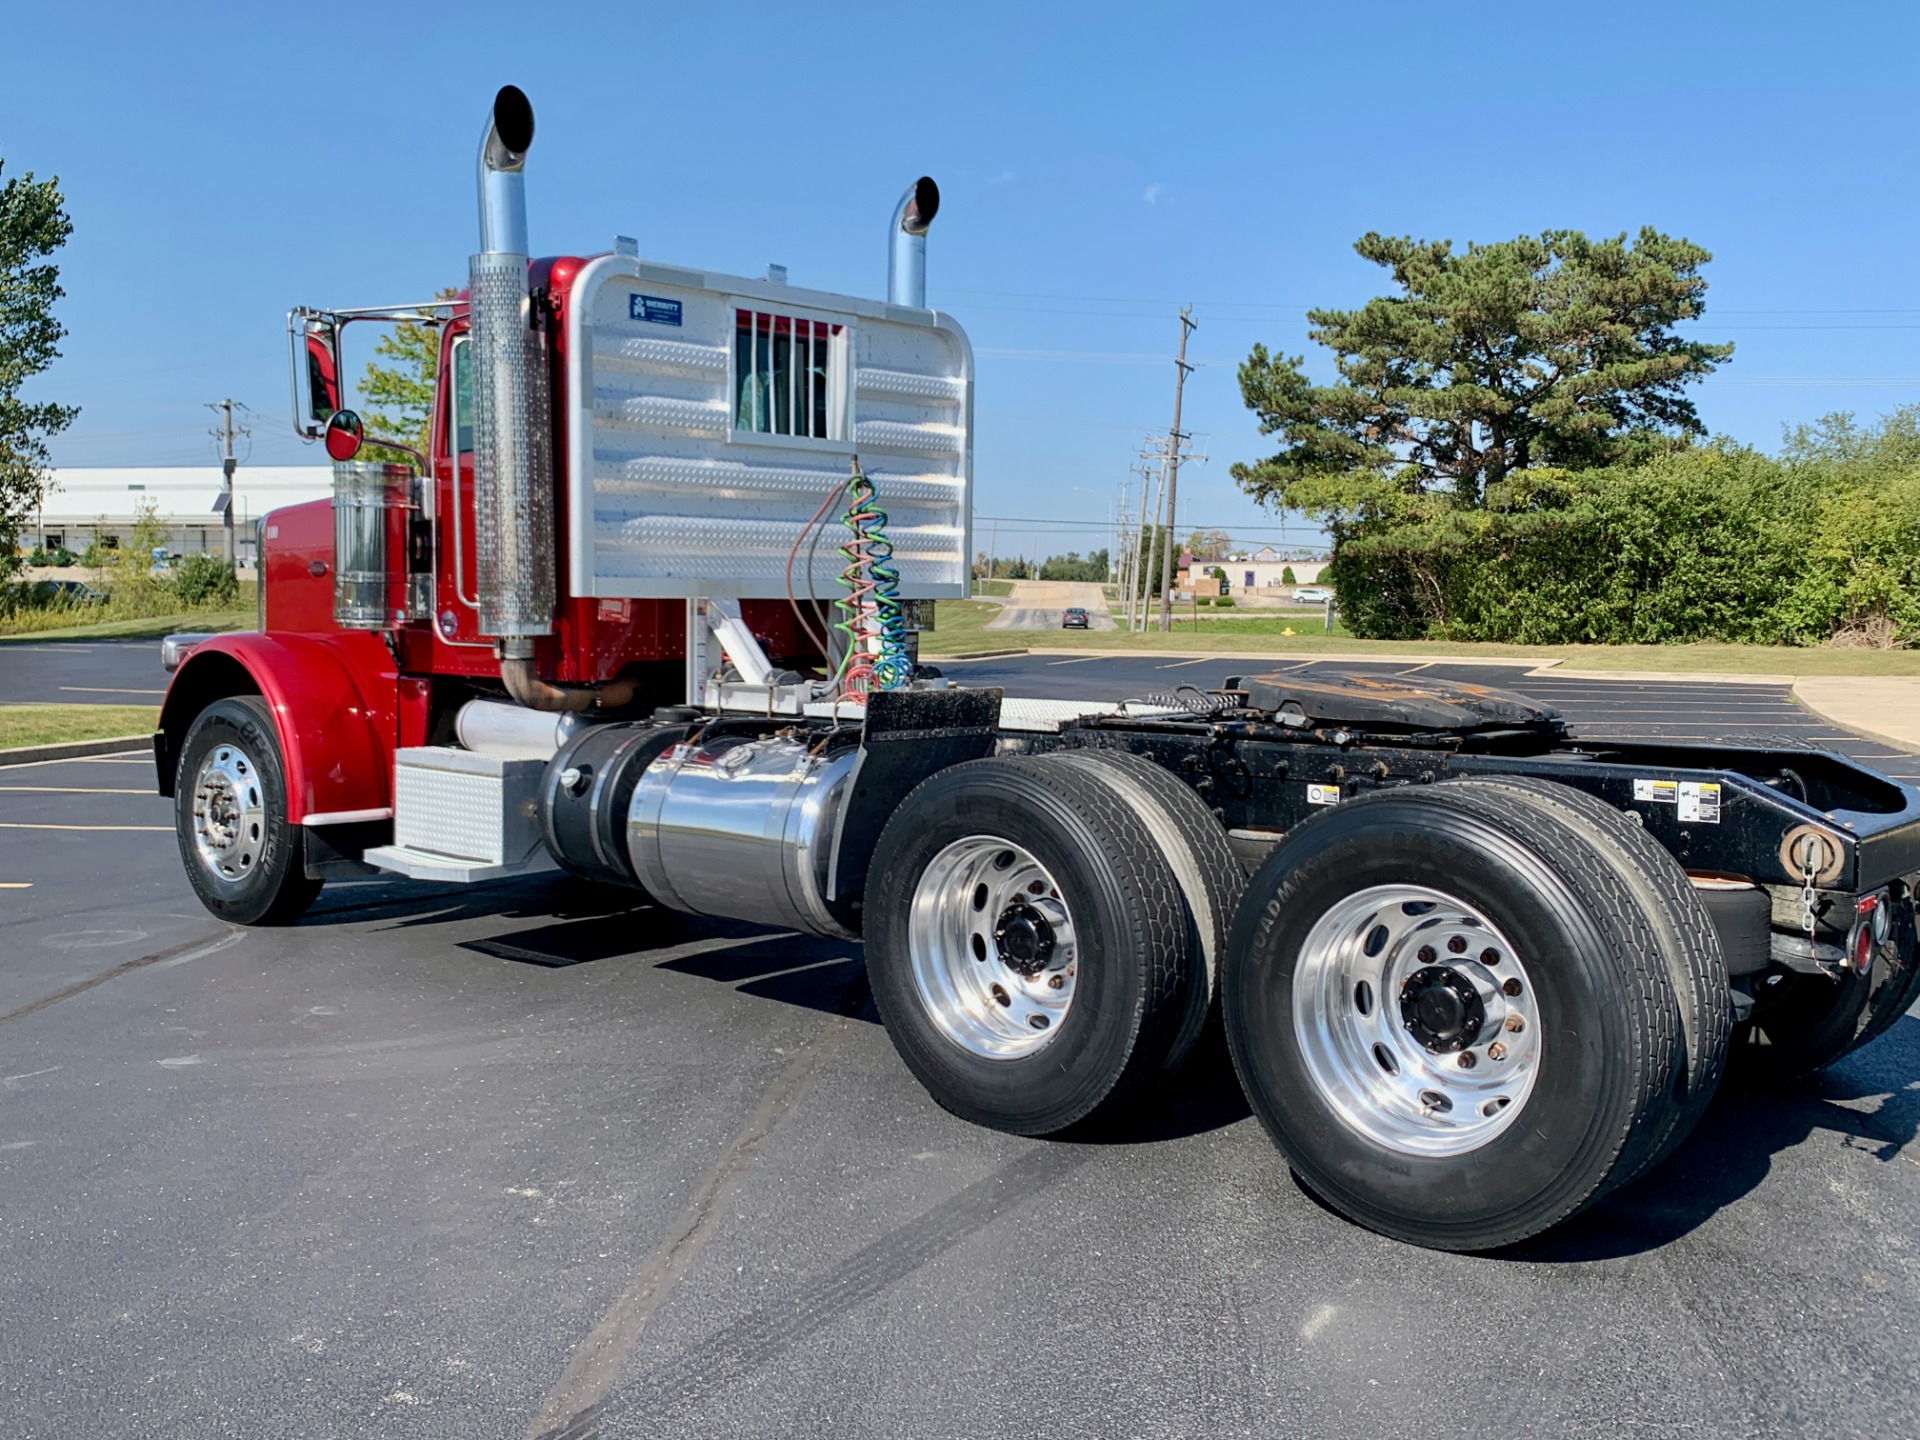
(118, 829)
(68, 790)
(1203, 660)
(1079, 660)
(113, 759)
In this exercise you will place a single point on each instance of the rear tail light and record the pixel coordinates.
(1870, 924)
(1860, 948)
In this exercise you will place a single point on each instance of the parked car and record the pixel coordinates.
(1074, 618)
(1311, 594)
(70, 592)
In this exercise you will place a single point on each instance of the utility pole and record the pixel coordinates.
(225, 435)
(1174, 438)
(1157, 537)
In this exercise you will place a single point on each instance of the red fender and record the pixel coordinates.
(333, 702)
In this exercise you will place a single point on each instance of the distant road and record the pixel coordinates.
(1037, 605)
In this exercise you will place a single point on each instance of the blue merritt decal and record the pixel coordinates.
(653, 309)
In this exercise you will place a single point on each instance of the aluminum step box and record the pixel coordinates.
(463, 817)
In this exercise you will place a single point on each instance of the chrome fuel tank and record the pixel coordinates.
(742, 828)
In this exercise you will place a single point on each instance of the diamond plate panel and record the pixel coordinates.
(463, 805)
(667, 498)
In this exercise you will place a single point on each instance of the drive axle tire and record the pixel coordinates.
(1194, 844)
(244, 861)
(1453, 1014)
(1029, 948)
(1689, 943)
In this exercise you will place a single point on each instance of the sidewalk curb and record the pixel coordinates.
(1846, 715)
(75, 749)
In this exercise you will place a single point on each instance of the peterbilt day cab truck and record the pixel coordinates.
(645, 609)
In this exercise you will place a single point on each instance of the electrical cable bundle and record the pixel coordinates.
(870, 610)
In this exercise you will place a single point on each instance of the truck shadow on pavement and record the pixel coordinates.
(585, 923)
(1868, 1103)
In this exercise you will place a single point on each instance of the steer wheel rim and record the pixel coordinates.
(993, 948)
(229, 814)
(1416, 1020)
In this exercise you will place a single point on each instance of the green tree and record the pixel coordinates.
(1286, 575)
(399, 394)
(1553, 350)
(1209, 544)
(1070, 566)
(204, 578)
(33, 225)
(1152, 548)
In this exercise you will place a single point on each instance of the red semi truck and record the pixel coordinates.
(645, 611)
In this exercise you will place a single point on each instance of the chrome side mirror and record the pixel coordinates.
(313, 357)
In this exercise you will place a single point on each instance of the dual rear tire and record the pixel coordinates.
(1463, 1012)
(1544, 1015)
(1044, 934)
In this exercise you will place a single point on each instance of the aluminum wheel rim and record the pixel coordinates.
(992, 947)
(1365, 1002)
(229, 814)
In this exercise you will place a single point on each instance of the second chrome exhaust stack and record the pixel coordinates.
(907, 259)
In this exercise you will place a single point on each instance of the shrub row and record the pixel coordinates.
(1715, 542)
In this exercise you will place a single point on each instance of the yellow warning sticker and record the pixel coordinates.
(1660, 792)
(1323, 794)
(1700, 802)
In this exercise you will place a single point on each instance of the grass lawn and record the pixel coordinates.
(991, 587)
(50, 724)
(961, 620)
(148, 626)
(960, 630)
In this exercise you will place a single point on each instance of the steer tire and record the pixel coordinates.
(1437, 1153)
(260, 877)
(948, 985)
(1689, 944)
(1193, 842)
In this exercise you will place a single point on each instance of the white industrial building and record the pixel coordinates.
(80, 504)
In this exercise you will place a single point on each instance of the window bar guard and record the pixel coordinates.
(753, 371)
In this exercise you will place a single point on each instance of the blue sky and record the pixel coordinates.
(1100, 166)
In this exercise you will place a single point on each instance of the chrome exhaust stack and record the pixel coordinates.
(512, 456)
(907, 259)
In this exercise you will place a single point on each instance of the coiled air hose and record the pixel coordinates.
(871, 624)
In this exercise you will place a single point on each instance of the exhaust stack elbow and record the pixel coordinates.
(907, 257)
(502, 173)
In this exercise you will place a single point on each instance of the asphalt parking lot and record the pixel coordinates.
(523, 1160)
(81, 672)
